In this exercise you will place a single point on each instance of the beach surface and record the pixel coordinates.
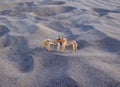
(25, 24)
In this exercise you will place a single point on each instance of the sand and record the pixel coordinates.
(25, 24)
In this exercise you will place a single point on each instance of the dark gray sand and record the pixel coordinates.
(25, 24)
